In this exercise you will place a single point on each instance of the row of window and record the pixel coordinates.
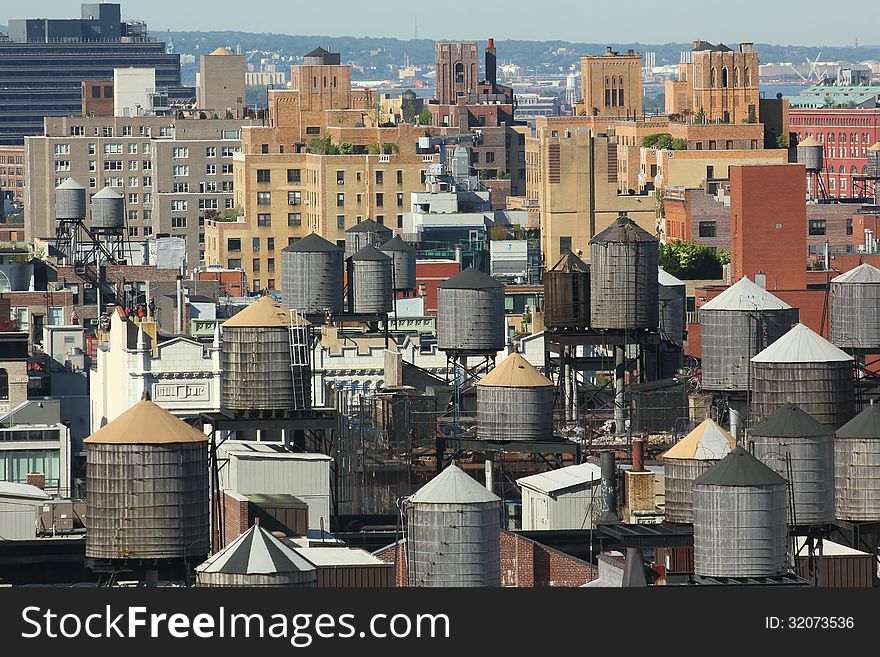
(724, 78)
(293, 175)
(845, 121)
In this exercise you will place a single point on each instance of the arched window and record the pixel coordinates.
(831, 168)
(724, 77)
(4, 384)
(748, 76)
(607, 92)
(620, 92)
(830, 137)
(854, 171)
(459, 73)
(736, 80)
(712, 77)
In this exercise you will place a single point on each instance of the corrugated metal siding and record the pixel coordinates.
(844, 571)
(857, 479)
(17, 520)
(350, 577)
(680, 475)
(303, 579)
(824, 390)
(575, 510)
(855, 315)
(514, 413)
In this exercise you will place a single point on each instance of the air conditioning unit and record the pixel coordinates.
(89, 286)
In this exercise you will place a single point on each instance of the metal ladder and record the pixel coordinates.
(300, 372)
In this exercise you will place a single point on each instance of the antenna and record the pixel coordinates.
(415, 27)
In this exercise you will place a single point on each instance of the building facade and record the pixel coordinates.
(220, 84)
(13, 173)
(457, 70)
(611, 85)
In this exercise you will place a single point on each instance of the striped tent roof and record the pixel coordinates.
(256, 552)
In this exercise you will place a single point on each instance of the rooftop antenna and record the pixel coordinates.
(416, 27)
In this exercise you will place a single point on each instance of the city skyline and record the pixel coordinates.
(780, 23)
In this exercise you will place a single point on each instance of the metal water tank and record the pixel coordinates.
(256, 558)
(453, 532)
(857, 467)
(147, 488)
(567, 294)
(623, 277)
(736, 325)
(70, 200)
(809, 153)
(108, 211)
(367, 232)
(514, 402)
(266, 359)
(312, 275)
(740, 526)
(404, 256)
(789, 440)
(470, 313)
(693, 455)
(873, 170)
(805, 369)
(855, 308)
(672, 295)
(371, 272)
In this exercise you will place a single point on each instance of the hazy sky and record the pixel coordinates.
(646, 21)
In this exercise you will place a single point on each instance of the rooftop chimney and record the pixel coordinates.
(491, 64)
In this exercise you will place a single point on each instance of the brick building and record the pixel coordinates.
(97, 98)
(719, 84)
(846, 135)
(13, 173)
(457, 70)
(220, 84)
(611, 85)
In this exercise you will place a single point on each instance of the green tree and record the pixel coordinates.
(782, 141)
(346, 148)
(689, 260)
(424, 117)
(663, 140)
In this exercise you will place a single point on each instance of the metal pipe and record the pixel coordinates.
(608, 466)
(179, 305)
(490, 467)
(734, 421)
(638, 454)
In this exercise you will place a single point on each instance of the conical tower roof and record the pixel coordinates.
(256, 552)
(108, 192)
(313, 243)
(745, 295)
(801, 345)
(265, 312)
(453, 486)
(864, 273)
(789, 421)
(739, 468)
(875, 146)
(146, 423)
(368, 226)
(369, 252)
(623, 229)
(668, 280)
(570, 263)
(864, 425)
(809, 141)
(470, 279)
(396, 244)
(220, 51)
(70, 183)
(515, 372)
(707, 442)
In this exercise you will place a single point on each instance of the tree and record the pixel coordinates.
(782, 141)
(322, 146)
(689, 260)
(665, 141)
(346, 148)
(424, 117)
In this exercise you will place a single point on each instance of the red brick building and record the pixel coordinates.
(429, 275)
(846, 135)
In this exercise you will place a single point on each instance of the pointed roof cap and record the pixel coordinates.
(395, 244)
(875, 147)
(801, 345)
(146, 423)
(317, 52)
(707, 442)
(745, 295)
(265, 312)
(623, 229)
(370, 252)
(864, 425)
(453, 486)
(790, 421)
(108, 192)
(312, 243)
(369, 226)
(864, 273)
(70, 183)
(668, 280)
(256, 552)
(739, 468)
(515, 372)
(570, 263)
(220, 51)
(470, 279)
(809, 141)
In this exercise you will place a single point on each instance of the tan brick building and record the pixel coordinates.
(719, 82)
(172, 172)
(220, 84)
(611, 85)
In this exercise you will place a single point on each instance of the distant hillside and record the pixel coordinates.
(380, 51)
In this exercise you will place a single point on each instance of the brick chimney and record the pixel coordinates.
(37, 479)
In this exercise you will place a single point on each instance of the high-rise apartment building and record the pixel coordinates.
(457, 70)
(173, 173)
(220, 84)
(43, 63)
(718, 84)
(611, 85)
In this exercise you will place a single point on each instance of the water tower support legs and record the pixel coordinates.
(619, 389)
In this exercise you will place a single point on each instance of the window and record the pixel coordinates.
(4, 384)
(211, 169)
(148, 181)
(180, 153)
(849, 226)
(180, 170)
(234, 263)
(211, 151)
(132, 165)
(564, 244)
(380, 218)
(380, 199)
(93, 183)
(379, 177)
(133, 231)
(257, 285)
(340, 177)
(264, 175)
(112, 149)
(294, 219)
(233, 244)
(400, 199)
(270, 267)
(132, 216)
(226, 169)
(400, 221)
(294, 198)
(179, 188)
(179, 206)
(264, 198)
(62, 165)
(255, 265)
(707, 229)
(340, 221)
(817, 226)
(270, 243)
(264, 219)
(255, 245)
(399, 177)
(132, 199)
(313, 130)
(112, 165)
(209, 204)
(490, 158)
(228, 151)
(340, 200)
(62, 149)
(293, 176)
(77, 131)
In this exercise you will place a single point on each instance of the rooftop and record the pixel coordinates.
(801, 345)
(555, 481)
